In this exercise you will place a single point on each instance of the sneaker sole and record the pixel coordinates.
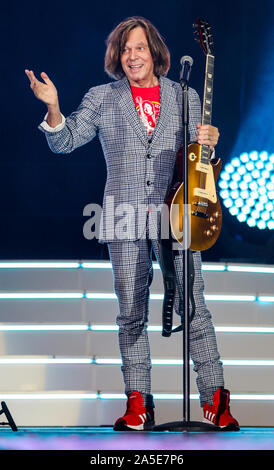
(141, 427)
(229, 427)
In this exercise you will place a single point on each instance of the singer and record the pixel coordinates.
(138, 120)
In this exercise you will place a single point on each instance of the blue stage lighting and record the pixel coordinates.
(228, 202)
(244, 194)
(236, 162)
(241, 170)
(247, 178)
(234, 210)
(269, 206)
(259, 165)
(251, 222)
(241, 217)
(247, 185)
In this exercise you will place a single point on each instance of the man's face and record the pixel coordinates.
(136, 59)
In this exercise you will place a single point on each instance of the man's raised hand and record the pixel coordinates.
(45, 92)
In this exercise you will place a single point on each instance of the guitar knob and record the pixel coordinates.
(216, 214)
(208, 233)
(211, 219)
(214, 228)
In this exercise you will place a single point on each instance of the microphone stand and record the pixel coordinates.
(186, 424)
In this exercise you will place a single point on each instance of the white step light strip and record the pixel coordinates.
(96, 265)
(265, 298)
(107, 265)
(229, 298)
(152, 328)
(44, 327)
(48, 396)
(39, 265)
(120, 396)
(244, 329)
(101, 295)
(107, 361)
(112, 296)
(116, 361)
(41, 295)
(103, 265)
(41, 361)
(251, 269)
(213, 267)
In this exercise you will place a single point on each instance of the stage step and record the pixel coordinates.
(38, 333)
(33, 373)
(76, 408)
(91, 343)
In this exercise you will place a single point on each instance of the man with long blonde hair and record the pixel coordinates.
(138, 118)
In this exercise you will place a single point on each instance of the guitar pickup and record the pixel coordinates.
(200, 214)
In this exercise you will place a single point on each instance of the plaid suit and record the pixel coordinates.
(139, 172)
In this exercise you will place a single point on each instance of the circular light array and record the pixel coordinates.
(247, 189)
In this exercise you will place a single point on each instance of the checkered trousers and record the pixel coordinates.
(133, 274)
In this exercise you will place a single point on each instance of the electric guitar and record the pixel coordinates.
(205, 208)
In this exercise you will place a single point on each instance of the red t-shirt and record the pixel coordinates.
(147, 102)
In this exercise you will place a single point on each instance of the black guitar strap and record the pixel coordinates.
(166, 262)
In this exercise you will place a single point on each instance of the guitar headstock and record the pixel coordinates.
(204, 36)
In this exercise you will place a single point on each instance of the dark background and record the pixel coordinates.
(42, 194)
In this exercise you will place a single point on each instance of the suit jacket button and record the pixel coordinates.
(149, 183)
(148, 155)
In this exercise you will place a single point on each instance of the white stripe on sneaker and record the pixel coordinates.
(142, 418)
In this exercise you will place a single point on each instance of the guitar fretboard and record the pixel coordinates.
(207, 103)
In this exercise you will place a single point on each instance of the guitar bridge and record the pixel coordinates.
(201, 203)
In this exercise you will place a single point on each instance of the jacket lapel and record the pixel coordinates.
(123, 95)
(166, 93)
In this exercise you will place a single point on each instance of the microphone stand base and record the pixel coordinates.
(192, 426)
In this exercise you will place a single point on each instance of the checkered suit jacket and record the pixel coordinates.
(139, 167)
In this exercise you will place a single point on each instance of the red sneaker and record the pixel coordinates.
(219, 413)
(137, 417)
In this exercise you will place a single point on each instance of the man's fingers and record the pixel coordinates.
(33, 80)
(207, 135)
(45, 78)
(31, 77)
(27, 72)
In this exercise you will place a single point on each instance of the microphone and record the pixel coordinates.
(186, 63)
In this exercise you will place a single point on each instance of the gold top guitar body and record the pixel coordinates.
(204, 207)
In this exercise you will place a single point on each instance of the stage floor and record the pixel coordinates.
(104, 438)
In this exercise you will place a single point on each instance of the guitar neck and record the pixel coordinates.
(208, 90)
(207, 101)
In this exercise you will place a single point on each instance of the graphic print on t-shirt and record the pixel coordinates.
(147, 102)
